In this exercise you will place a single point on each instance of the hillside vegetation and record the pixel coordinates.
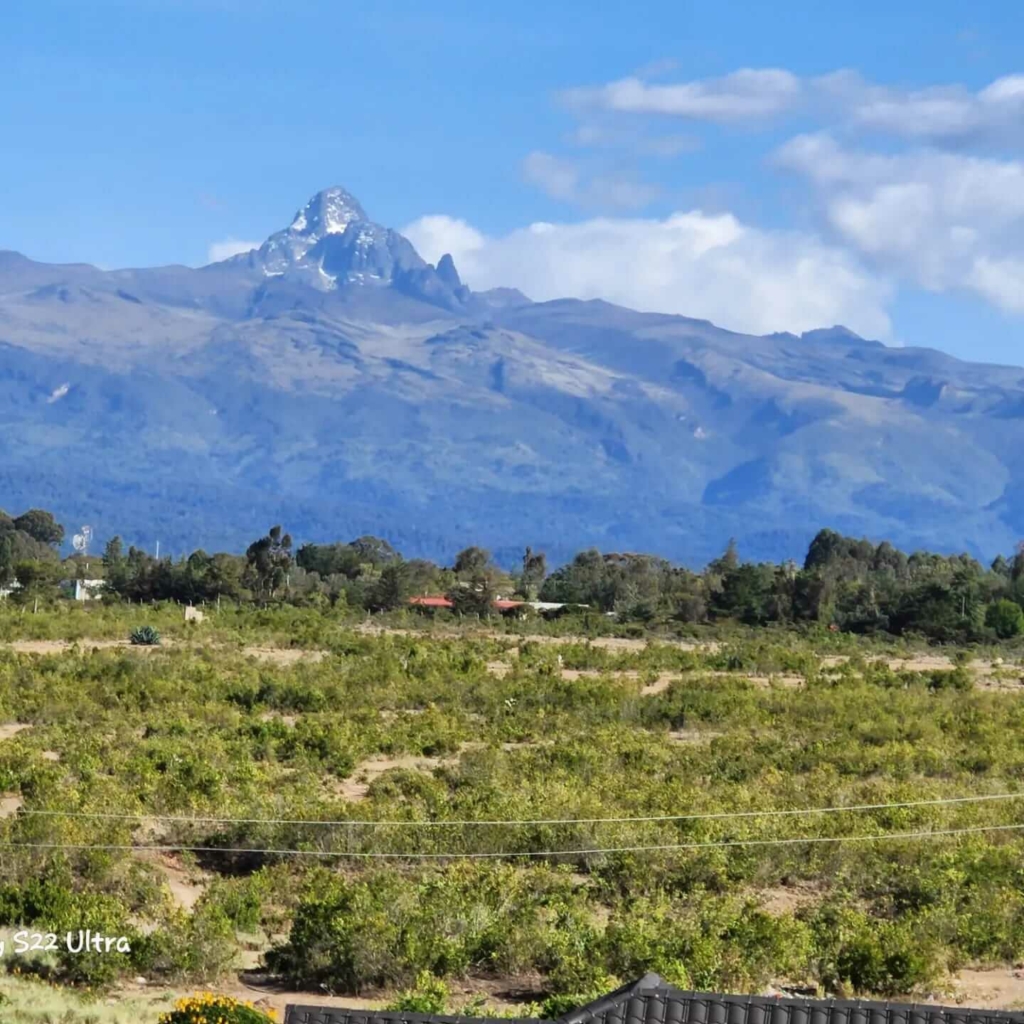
(225, 759)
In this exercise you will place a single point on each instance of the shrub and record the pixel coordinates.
(144, 636)
(428, 995)
(1005, 618)
(208, 1008)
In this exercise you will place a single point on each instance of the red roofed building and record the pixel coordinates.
(440, 601)
(431, 601)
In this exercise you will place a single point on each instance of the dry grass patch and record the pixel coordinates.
(283, 655)
(693, 735)
(34, 1002)
(357, 785)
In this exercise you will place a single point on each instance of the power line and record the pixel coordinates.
(377, 855)
(704, 816)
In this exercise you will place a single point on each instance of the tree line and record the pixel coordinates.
(844, 583)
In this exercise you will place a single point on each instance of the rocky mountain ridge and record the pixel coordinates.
(334, 380)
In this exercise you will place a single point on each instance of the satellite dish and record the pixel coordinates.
(80, 542)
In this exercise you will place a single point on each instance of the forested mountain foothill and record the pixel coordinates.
(844, 583)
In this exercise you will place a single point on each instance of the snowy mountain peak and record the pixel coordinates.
(328, 213)
(331, 245)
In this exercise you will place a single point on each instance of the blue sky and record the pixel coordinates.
(768, 166)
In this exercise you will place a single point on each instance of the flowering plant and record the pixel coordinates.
(208, 1008)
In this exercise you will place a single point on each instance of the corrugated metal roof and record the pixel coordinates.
(653, 1001)
(340, 1015)
(650, 1000)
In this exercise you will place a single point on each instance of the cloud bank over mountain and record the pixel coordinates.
(897, 190)
(709, 266)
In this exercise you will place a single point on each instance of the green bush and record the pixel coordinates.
(428, 995)
(208, 1008)
(1005, 618)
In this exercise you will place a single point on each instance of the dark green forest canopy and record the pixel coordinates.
(845, 583)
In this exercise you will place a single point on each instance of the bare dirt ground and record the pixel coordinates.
(276, 655)
(787, 899)
(275, 716)
(9, 804)
(999, 988)
(593, 673)
(692, 735)
(660, 685)
(608, 643)
(59, 646)
(356, 786)
(283, 655)
(911, 663)
(11, 729)
(185, 887)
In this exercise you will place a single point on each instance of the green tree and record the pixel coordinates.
(115, 565)
(728, 561)
(1005, 617)
(473, 597)
(267, 563)
(471, 562)
(6, 558)
(40, 526)
(391, 590)
(535, 568)
(39, 582)
(373, 551)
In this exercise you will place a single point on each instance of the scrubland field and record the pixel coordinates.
(298, 807)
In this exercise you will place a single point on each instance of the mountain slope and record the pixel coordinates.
(334, 380)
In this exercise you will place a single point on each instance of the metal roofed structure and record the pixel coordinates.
(651, 1000)
(341, 1015)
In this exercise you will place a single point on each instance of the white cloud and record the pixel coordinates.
(563, 180)
(945, 220)
(950, 114)
(600, 136)
(747, 93)
(944, 115)
(938, 202)
(712, 267)
(558, 178)
(1000, 281)
(437, 234)
(229, 247)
